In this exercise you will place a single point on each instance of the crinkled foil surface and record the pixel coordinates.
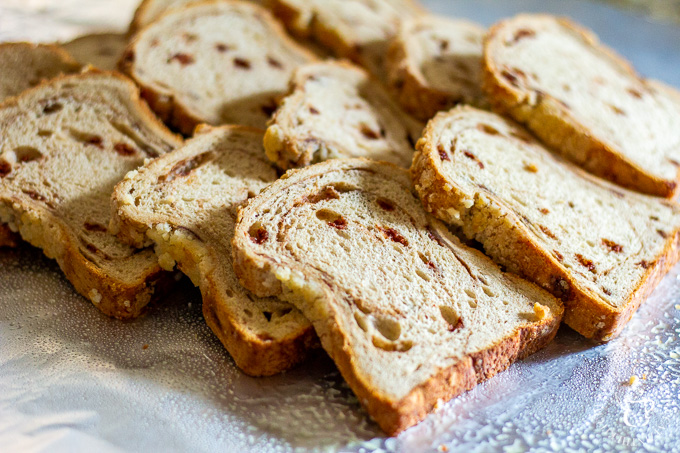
(74, 380)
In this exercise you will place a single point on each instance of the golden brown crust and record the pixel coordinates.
(170, 110)
(113, 297)
(585, 312)
(554, 124)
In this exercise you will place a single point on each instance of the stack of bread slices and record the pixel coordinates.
(531, 140)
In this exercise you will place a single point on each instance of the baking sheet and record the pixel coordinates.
(74, 380)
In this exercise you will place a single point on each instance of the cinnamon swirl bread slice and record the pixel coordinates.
(64, 145)
(185, 204)
(409, 315)
(600, 248)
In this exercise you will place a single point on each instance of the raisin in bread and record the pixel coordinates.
(65, 144)
(101, 50)
(584, 101)
(409, 315)
(334, 110)
(185, 203)
(436, 62)
(150, 10)
(359, 30)
(600, 248)
(25, 65)
(213, 62)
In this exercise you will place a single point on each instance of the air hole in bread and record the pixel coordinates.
(488, 291)
(267, 315)
(361, 321)
(470, 293)
(258, 234)
(27, 153)
(52, 107)
(327, 215)
(423, 275)
(369, 133)
(388, 328)
(451, 317)
(86, 138)
(44, 133)
(487, 129)
(124, 149)
(247, 312)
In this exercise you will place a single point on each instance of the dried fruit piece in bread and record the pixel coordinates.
(219, 62)
(409, 315)
(65, 144)
(335, 110)
(101, 50)
(359, 30)
(584, 101)
(602, 249)
(435, 63)
(24, 65)
(185, 203)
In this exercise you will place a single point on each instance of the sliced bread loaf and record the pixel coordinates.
(600, 248)
(584, 101)
(25, 65)
(335, 110)
(65, 144)
(150, 10)
(218, 62)
(409, 315)
(359, 30)
(101, 50)
(436, 62)
(185, 203)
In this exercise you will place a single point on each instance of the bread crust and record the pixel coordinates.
(165, 104)
(585, 311)
(408, 82)
(554, 124)
(38, 226)
(256, 271)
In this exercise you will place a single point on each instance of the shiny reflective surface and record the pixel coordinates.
(72, 379)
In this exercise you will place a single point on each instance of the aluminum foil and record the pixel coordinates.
(73, 380)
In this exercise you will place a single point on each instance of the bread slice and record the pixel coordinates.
(150, 10)
(602, 249)
(359, 30)
(65, 144)
(410, 316)
(434, 63)
(333, 110)
(25, 65)
(101, 50)
(213, 62)
(584, 101)
(185, 203)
